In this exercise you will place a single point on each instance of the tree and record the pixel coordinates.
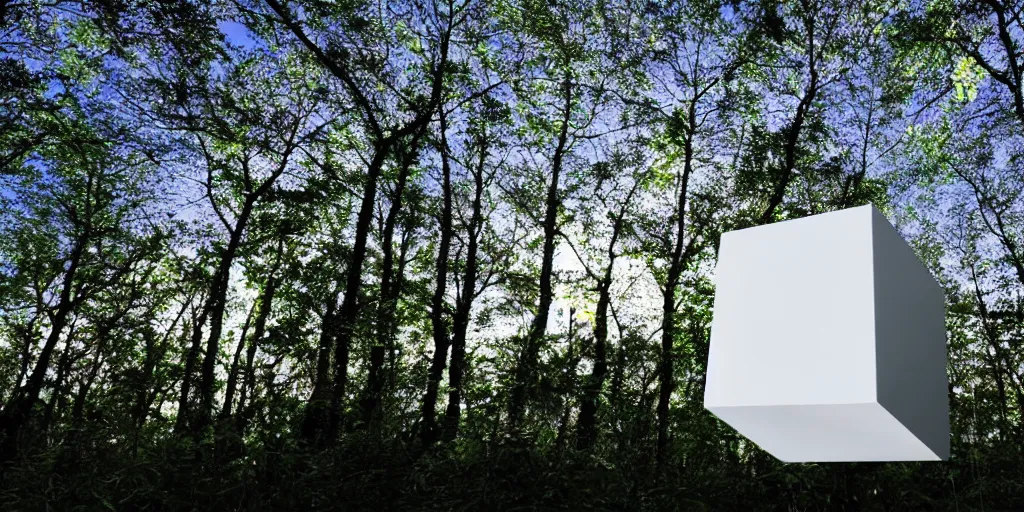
(384, 135)
(72, 223)
(435, 254)
(569, 84)
(617, 188)
(703, 55)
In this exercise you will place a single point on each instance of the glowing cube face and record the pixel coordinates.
(828, 342)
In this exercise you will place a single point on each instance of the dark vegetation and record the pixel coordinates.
(457, 255)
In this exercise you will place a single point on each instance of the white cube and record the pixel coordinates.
(828, 342)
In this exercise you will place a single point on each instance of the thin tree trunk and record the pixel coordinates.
(69, 454)
(392, 345)
(349, 311)
(388, 291)
(18, 409)
(58, 387)
(78, 410)
(568, 382)
(259, 330)
(191, 358)
(438, 320)
(248, 387)
(375, 386)
(615, 399)
(464, 302)
(587, 421)
(102, 339)
(25, 353)
(668, 306)
(323, 352)
(586, 433)
(229, 392)
(526, 368)
(218, 303)
(383, 141)
(792, 131)
(317, 413)
(998, 357)
(149, 367)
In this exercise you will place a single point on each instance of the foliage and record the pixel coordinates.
(458, 255)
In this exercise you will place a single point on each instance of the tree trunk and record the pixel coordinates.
(18, 409)
(586, 424)
(587, 421)
(392, 346)
(259, 329)
(78, 410)
(349, 311)
(191, 358)
(375, 385)
(792, 131)
(25, 354)
(383, 141)
(438, 320)
(218, 303)
(248, 387)
(229, 392)
(143, 395)
(58, 387)
(668, 305)
(464, 300)
(317, 412)
(464, 303)
(388, 291)
(526, 368)
(568, 382)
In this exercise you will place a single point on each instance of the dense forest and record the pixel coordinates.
(459, 254)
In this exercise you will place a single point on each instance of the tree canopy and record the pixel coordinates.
(459, 254)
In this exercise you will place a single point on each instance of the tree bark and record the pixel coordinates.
(349, 311)
(143, 394)
(182, 420)
(383, 142)
(259, 330)
(792, 131)
(586, 434)
(59, 390)
(317, 413)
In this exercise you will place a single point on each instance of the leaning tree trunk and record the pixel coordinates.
(349, 312)
(587, 423)
(143, 393)
(792, 132)
(232, 384)
(259, 329)
(218, 303)
(16, 413)
(182, 420)
(317, 414)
